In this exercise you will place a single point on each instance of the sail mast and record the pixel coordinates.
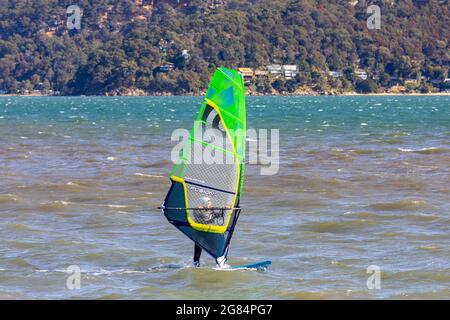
(203, 200)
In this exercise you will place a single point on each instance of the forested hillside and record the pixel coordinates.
(129, 46)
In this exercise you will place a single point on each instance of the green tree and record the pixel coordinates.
(366, 86)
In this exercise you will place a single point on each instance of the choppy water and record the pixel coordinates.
(362, 181)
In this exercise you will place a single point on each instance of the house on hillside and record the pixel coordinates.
(361, 74)
(247, 74)
(397, 89)
(335, 74)
(275, 70)
(290, 71)
(411, 82)
(213, 4)
(165, 67)
(261, 73)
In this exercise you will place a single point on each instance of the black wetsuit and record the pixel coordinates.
(197, 254)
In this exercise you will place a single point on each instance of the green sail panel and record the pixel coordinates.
(207, 179)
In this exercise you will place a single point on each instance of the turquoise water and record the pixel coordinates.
(362, 181)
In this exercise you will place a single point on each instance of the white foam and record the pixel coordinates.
(116, 206)
(147, 175)
(416, 150)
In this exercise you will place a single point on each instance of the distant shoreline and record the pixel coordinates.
(396, 94)
(350, 94)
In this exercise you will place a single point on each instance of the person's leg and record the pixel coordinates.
(197, 254)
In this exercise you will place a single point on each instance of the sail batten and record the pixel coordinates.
(206, 193)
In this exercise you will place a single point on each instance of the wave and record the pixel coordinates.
(20, 262)
(394, 216)
(425, 275)
(15, 226)
(121, 271)
(399, 205)
(362, 151)
(12, 295)
(149, 146)
(398, 134)
(429, 247)
(157, 164)
(430, 150)
(19, 244)
(70, 186)
(147, 175)
(4, 198)
(54, 205)
(114, 206)
(393, 141)
(337, 226)
(297, 164)
(319, 295)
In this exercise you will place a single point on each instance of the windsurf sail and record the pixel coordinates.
(207, 179)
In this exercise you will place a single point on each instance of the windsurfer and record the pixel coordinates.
(206, 216)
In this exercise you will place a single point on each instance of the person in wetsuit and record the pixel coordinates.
(205, 215)
(197, 254)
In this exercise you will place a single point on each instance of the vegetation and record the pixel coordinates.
(122, 44)
(366, 86)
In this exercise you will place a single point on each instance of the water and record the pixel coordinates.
(362, 181)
